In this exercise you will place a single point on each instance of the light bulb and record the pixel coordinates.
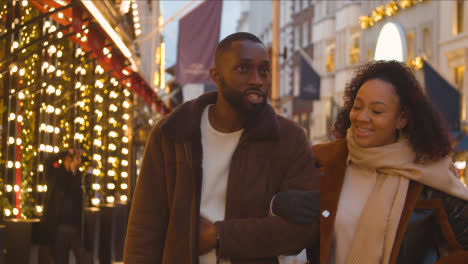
(7, 212)
(97, 142)
(95, 201)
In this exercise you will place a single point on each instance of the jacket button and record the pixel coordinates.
(325, 213)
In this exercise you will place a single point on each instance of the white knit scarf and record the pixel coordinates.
(395, 167)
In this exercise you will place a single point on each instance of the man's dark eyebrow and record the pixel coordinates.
(250, 60)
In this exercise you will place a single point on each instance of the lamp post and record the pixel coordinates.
(275, 88)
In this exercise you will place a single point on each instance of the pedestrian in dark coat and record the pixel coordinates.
(256, 154)
(389, 190)
(61, 222)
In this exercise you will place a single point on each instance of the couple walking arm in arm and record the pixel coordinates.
(212, 166)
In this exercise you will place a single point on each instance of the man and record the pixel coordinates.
(62, 218)
(211, 168)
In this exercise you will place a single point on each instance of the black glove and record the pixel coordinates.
(301, 207)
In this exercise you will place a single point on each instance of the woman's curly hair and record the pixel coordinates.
(426, 130)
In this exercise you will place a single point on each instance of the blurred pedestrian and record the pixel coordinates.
(61, 223)
(211, 167)
(390, 193)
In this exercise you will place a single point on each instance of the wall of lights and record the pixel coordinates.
(56, 96)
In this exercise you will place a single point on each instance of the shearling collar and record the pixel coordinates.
(184, 121)
(332, 153)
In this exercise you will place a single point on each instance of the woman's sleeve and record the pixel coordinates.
(457, 212)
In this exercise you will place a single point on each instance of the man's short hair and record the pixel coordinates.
(226, 43)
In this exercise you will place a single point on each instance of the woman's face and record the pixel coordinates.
(375, 116)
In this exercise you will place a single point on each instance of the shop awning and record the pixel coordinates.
(460, 141)
(443, 95)
(309, 82)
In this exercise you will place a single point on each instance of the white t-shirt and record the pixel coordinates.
(218, 148)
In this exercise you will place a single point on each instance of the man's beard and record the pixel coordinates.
(238, 100)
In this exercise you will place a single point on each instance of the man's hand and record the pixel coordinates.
(301, 207)
(207, 238)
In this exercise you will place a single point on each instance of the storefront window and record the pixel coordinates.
(460, 165)
(459, 80)
(305, 35)
(410, 46)
(427, 42)
(354, 49)
(330, 58)
(460, 16)
(459, 72)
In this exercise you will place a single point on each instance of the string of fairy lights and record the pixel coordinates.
(136, 18)
(58, 97)
(387, 10)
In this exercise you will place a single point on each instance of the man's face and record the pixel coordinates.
(245, 77)
(72, 163)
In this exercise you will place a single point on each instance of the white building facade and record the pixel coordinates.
(452, 43)
(149, 41)
(430, 30)
(338, 39)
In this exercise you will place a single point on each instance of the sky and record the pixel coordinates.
(229, 17)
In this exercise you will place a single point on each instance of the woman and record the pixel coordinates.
(389, 192)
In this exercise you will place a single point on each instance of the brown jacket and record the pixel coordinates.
(331, 161)
(273, 155)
